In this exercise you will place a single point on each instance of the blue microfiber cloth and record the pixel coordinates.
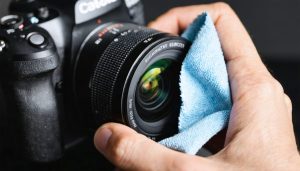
(205, 90)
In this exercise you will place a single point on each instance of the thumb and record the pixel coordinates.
(129, 150)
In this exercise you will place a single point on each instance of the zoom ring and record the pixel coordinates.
(109, 66)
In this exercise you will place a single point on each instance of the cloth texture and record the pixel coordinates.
(205, 90)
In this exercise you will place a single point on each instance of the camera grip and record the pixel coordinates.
(32, 102)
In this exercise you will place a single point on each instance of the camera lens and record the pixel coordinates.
(129, 74)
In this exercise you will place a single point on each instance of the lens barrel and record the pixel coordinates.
(129, 74)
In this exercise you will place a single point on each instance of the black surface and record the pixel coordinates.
(273, 24)
(84, 158)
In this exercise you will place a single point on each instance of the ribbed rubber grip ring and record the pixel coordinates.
(109, 66)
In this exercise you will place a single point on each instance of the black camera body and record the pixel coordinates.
(69, 66)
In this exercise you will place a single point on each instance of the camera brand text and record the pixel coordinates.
(90, 6)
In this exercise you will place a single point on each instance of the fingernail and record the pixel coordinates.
(102, 137)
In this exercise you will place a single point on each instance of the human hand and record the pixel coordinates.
(260, 134)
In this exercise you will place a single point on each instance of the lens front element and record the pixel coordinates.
(154, 89)
(151, 85)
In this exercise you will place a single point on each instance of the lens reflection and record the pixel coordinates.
(154, 89)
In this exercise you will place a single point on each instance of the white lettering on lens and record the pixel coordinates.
(176, 44)
(157, 50)
(131, 117)
(86, 7)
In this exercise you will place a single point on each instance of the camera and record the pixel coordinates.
(68, 67)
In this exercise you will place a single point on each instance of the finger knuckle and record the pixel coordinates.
(277, 86)
(223, 6)
(181, 164)
(258, 85)
(288, 101)
(267, 86)
(182, 167)
(121, 149)
(174, 11)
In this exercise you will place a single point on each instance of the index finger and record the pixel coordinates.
(239, 51)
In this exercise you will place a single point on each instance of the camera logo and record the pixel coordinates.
(88, 9)
(90, 6)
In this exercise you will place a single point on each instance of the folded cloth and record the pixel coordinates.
(205, 91)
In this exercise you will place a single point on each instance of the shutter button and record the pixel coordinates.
(37, 40)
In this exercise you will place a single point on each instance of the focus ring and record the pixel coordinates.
(109, 66)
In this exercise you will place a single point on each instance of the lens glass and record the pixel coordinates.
(154, 90)
(151, 87)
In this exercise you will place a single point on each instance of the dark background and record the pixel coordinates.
(275, 28)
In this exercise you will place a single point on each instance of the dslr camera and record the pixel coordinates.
(69, 66)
